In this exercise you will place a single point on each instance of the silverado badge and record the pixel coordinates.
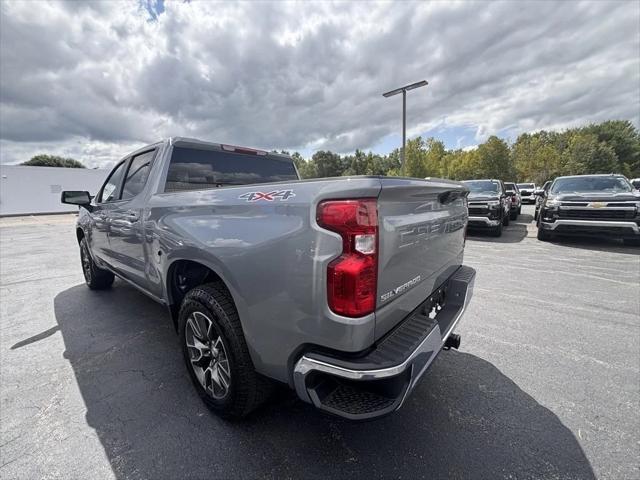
(598, 204)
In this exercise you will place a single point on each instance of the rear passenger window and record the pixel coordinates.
(195, 169)
(137, 175)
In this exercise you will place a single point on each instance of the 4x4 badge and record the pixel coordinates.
(268, 196)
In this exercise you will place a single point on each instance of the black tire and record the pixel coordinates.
(535, 215)
(496, 231)
(505, 220)
(632, 242)
(513, 215)
(246, 388)
(520, 210)
(543, 235)
(95, 277)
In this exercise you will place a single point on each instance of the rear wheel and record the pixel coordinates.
(95, 277)
(633, 242)
(513, 215)
(520, 210)
(216, 353)
(505, 219)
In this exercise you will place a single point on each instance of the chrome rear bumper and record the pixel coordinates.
(369, 387)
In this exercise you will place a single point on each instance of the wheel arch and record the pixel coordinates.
(183, 275)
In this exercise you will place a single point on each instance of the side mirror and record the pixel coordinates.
(539, 192)
(82, 199)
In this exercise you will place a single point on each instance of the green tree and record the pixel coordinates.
(585, 154)
(536, 158)
(327, 164)
(305, 168)
(624, 139)
(415, 159)
(495, 159)
(52, 161)
(434, 155)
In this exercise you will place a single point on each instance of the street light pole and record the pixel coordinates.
(404, 114)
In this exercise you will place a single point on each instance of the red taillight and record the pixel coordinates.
(352, 277)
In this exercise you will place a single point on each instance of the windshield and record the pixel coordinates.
(529, 186)
(482, 186)
(591, 184)
(510, 186)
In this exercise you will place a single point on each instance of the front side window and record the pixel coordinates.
(137, 175)
(591, 184)
(111, 189)
(196, 169)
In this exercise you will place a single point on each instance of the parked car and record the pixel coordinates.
(489, 205)
(527, 192)
(516, 200)
(344, 289)
(591, 205)
(635, 182)
(540, 193)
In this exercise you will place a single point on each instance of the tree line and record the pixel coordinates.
(609, 147)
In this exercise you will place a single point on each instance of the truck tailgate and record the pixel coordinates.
(421, 243)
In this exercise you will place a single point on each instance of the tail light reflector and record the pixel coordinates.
(352, 278)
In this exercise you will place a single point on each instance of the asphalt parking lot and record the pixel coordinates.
(546, 383)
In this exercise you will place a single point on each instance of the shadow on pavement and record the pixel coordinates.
(598, 244)
(465, 420)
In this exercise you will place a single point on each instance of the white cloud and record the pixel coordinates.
(97, 80)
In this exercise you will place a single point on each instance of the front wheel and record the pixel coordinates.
(520, 210)
(216, 353)
(513, 215)
(543, 235)
(95, 277)
(505, 219)
(496, 231)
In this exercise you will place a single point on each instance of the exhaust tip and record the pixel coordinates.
(453, 342)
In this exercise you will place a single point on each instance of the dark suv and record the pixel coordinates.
(489, 205)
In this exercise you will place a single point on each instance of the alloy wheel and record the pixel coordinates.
(86, 263)
(208, 356)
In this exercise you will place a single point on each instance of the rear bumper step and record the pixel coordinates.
(378, 382)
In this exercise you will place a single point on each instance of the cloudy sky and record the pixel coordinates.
(96, 80)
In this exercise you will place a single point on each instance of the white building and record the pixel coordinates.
(33, 190)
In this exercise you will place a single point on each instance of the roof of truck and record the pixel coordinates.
(195, 141)
(593, 175)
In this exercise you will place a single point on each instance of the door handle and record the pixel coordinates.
(131, 215)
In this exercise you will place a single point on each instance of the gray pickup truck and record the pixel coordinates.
(345, 289)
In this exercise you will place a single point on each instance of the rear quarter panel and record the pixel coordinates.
(271, 255)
